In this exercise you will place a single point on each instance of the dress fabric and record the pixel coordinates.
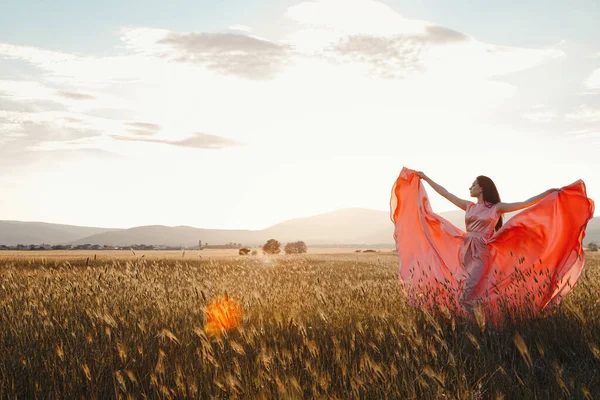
(526, 267)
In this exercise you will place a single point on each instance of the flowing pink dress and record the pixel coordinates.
(531, 263)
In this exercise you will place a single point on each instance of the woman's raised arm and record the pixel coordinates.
(508, 207)
(458, 202)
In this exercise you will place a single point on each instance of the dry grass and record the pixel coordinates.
(41, 255)
(314, 326)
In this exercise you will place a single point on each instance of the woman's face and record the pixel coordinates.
(475, 190)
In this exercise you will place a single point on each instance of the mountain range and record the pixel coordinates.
(350, 226)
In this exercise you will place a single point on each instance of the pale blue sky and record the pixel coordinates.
(238, 114)
(91, 26)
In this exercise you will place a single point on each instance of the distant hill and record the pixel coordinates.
(13, 233)
(170, 236)
(347, 226)
(592, 233)
(351, 226)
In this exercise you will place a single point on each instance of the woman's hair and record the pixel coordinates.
(490, 194)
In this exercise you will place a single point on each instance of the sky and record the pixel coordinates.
(243, 114)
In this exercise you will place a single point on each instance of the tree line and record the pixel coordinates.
(273, 246)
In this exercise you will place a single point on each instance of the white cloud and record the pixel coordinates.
(235, 54)
(33, 54)
(195, 141)
(584, 114)
(343, 18)
(593, 80)
(241, 28)
(26, 90)
(75, 95)
(82, 143)
(371, 32)
(584, 133)
(540, 116)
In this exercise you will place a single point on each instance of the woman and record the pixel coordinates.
(524, 266)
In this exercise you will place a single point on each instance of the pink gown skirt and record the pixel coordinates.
(530, 264)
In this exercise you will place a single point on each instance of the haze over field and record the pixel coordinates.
(353, 226)
(120, 115)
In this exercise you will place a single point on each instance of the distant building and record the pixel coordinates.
(223, 246)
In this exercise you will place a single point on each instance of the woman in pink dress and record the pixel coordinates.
(521, 267)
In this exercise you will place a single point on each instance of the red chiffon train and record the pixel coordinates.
(530, 264)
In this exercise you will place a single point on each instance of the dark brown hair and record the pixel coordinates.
(490, 195)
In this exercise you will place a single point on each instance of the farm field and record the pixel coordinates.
(161, 254)
(328, 325)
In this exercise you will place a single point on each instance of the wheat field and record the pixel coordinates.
(311, 326)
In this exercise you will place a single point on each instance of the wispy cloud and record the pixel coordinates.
(8, 103)
(584, 133)
(541, 116)
(236, 54)
(228, 53)
(144, 125)
(196, 141)
(441, 35)
(76, 96)
(435, 50)
(141, 132)
(242, 28)
(394, 56)
(584, 114)
(33, 54)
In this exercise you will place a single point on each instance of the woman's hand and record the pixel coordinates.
(460, 203)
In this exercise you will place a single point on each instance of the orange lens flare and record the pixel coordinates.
(223, 313)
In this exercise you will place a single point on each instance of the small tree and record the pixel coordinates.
(295, 248)
(592, 246)
(271, 247)
(244, 251)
